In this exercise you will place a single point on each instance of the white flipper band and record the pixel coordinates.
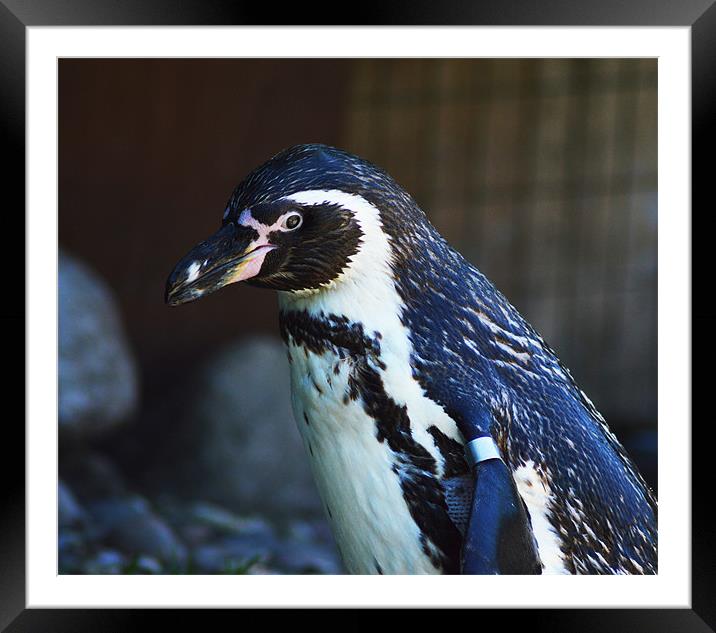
(481, 449)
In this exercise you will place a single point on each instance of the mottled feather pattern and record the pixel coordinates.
(453, 311)
(412, 464)
(471, 352)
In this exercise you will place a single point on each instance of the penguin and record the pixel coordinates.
(444, 434)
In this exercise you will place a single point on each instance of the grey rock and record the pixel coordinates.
(250, 454)
(147, 565)
(69, 541)
(307, 558)
(92, 475)
(69, 563)
(130, 525)
(301, 531)
(71, 550)
(97, 376)
(260, 569)
(106, 562)
(194, 535)
(323, 533)
(230, 553)
(317, 531)
(69, 511)
(208, 559)
(224, 521)
(309, 548)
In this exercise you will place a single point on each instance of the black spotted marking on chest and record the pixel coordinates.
(453, 453)
(413, 465)
(328, 332)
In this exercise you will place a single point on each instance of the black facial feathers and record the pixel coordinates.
(313, 255)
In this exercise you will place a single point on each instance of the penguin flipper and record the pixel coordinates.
(498, 538)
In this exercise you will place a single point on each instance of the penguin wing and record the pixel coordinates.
(498, 537)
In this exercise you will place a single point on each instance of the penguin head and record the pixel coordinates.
(297, 223)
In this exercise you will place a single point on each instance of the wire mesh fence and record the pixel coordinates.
(544, 174)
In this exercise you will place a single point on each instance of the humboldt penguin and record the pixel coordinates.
(444, 434)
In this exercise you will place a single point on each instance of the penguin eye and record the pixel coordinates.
(292, 221)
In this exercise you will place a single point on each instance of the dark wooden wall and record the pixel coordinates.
(542, 172)
(149, 152)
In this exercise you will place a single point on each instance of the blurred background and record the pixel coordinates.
(178, 451)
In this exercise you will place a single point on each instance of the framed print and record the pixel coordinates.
(551, 150)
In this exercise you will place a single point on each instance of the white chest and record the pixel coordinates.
(354, 471)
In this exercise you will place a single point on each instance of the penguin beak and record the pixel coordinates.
(232, 254)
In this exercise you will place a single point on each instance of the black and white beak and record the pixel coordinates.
(234, 253)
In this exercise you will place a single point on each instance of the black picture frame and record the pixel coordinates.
(17, 15)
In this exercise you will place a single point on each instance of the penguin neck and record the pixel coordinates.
(369, 300)
(365, 291)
